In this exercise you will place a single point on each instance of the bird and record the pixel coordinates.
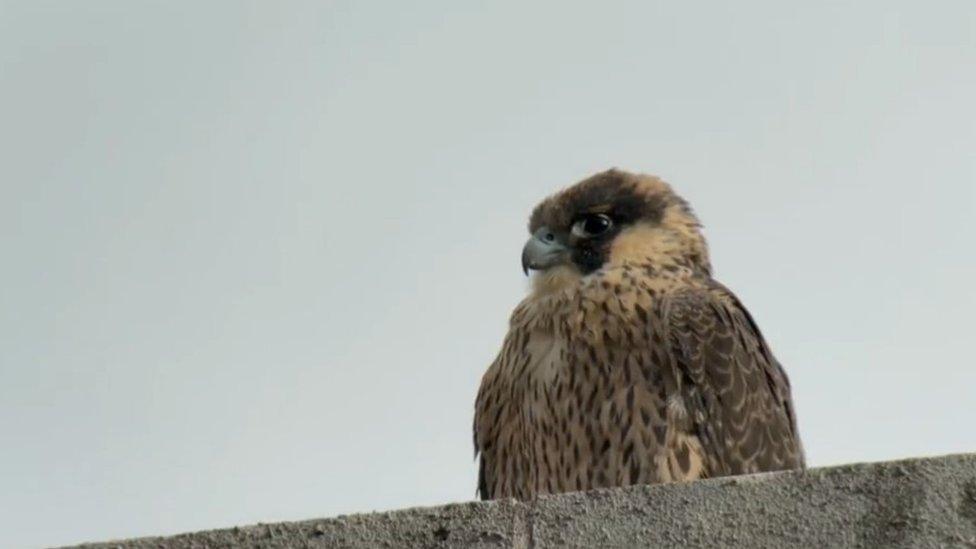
(627, 363)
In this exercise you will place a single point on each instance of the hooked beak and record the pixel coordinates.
(543, 250)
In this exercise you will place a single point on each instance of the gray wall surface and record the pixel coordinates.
(917, 503)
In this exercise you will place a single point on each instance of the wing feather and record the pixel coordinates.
(737, 394)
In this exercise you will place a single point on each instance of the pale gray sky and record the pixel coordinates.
(257, 255)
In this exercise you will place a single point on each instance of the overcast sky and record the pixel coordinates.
(257, 255)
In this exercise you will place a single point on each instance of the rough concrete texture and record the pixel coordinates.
(912, 503)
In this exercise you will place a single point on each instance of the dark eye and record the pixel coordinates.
(592, 225)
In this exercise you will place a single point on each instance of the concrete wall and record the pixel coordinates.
(913, 503)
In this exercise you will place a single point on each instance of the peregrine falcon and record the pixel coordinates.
(627, 363)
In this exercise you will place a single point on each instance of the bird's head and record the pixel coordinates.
(611, 219)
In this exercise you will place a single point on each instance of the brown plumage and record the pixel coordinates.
(627, 363)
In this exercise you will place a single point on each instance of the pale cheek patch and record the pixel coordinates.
(639, 243)
(555, 279)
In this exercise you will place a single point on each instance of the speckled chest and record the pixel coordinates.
(585, 384)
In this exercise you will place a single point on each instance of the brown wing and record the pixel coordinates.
(738, 396)
(483, 491)
(491, 414)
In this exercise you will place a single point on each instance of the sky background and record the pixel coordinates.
(257, 255)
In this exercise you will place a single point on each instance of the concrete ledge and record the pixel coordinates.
(912, 503)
